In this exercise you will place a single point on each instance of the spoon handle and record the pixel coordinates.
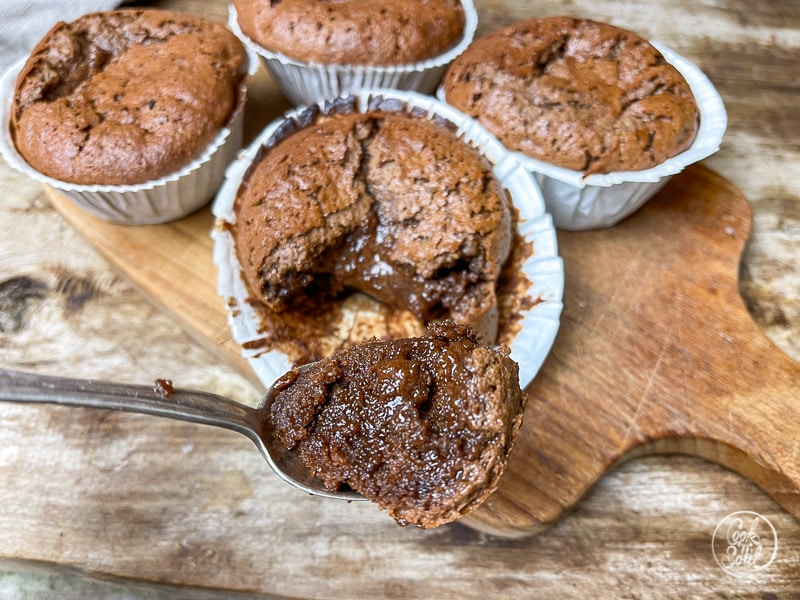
(183, 405)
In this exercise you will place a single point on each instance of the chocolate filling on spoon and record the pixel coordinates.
(422, 426)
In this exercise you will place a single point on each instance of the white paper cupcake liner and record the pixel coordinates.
(578, 202)
(534, 334)
(159, 201)
(306, 83)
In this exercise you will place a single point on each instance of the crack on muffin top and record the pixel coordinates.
(80, 50)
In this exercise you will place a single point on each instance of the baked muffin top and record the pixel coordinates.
(576, 93)
(422, 426)
(127, 96)
(356, 32)
(387, 203)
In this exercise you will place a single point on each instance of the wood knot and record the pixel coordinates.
(18, 295)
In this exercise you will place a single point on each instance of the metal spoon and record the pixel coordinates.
(183, 405)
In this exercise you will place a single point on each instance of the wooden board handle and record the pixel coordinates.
(656, 353)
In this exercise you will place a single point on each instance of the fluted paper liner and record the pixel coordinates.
(530, 339)
(305, 83)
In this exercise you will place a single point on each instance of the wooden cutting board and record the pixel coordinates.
(656, 350)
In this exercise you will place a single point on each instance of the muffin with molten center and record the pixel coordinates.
(387, 203)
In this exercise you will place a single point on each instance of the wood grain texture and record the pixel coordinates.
(656, 353)
(133, 507)
(172, 265)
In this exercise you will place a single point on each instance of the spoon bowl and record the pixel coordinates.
(183, 405)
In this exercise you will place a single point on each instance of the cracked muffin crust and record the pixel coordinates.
(383, 202)
(422, 426)
(579, 94)
(128, 96)
(358, 32)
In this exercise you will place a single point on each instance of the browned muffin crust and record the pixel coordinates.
(575, 93)
(422, 426)
(386, 203)
(125, 97)
(357, 32)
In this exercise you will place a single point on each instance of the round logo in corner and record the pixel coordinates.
(744, 543)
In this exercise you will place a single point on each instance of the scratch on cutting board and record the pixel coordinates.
(729, 422)
(644, 397)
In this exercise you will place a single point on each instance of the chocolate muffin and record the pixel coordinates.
(364, 32)
(422, 426)
(125, 97)
(579, 94)
(387, 203)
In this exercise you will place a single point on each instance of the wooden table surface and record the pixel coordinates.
(645, 530)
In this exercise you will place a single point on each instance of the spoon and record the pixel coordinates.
(184, 405)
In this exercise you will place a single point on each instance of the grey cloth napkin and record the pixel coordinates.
(24, 22)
